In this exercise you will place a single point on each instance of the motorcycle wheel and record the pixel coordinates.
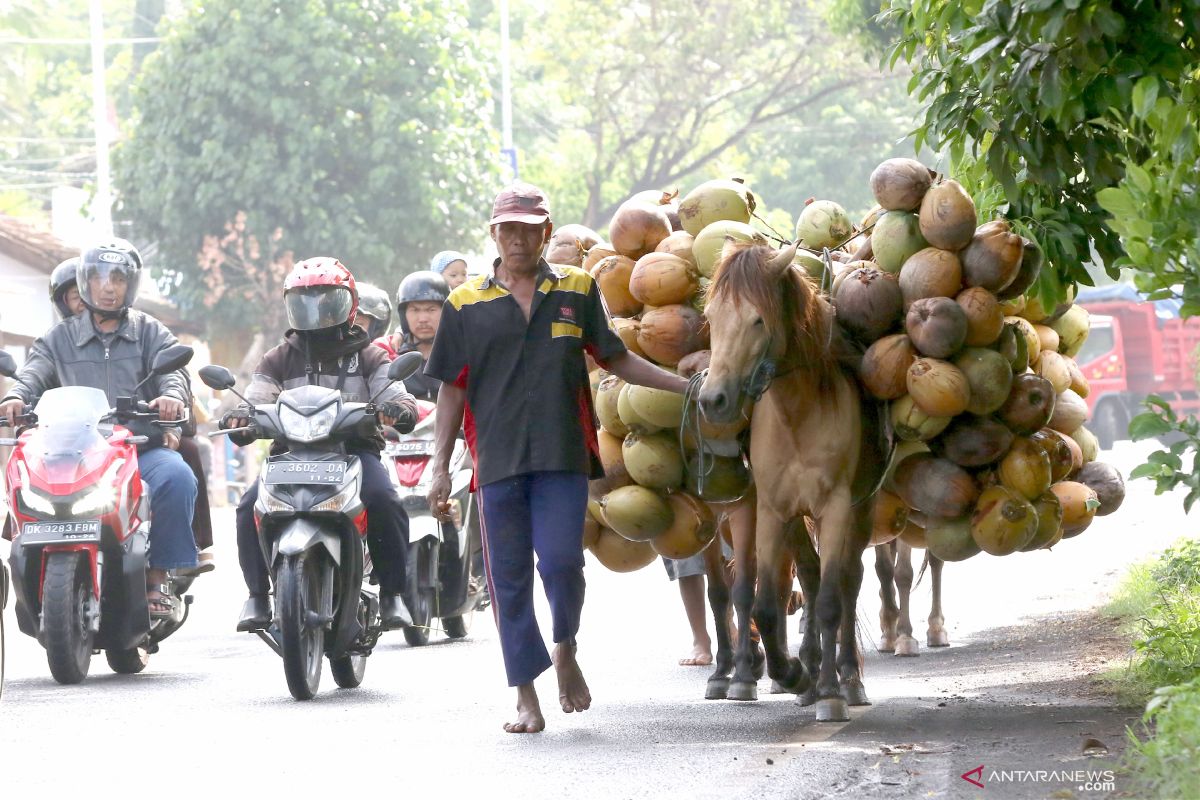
(422, 559)
(65, 592)
(129, 661)
(298, 592)
(348, 670)
(457, 627)
(421, 610)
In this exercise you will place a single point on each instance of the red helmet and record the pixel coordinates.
(319, 293)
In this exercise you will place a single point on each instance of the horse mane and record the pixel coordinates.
(791, 308)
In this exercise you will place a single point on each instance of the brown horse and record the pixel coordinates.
(893, 565)
(817, 450)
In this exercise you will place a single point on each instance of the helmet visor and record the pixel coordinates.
(310, 308)
(107, 285)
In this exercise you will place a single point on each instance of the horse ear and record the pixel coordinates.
(780, 262)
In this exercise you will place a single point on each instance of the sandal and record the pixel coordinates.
(159, 599)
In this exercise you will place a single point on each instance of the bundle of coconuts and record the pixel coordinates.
(985, 396)
(658, 498)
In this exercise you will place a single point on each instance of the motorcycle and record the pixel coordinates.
(81, 525)
(312, 529)
(445, 558)
(8, 368)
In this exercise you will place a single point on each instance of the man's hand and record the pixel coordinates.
(235, 418)
(10, 410)
(439, 495)
(403, 419)
(169, 409)
(171, 438)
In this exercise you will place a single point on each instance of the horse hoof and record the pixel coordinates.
(808, 698)
(777, 688)
(832, 709)
(855, 694)
(743, 690)
(907, 646)
(938, 638)
(759, 665)
(717, 689)
(887, 645)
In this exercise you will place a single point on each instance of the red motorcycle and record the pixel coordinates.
(81, 527)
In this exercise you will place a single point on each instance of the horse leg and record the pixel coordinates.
(744, 685)
(718, 600)
(906, 645)
(769, 611)
(808, 567)
(889, 612)
(835, 543)
(936, 635)
(850, 659)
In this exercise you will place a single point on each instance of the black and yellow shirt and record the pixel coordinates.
(529, 403)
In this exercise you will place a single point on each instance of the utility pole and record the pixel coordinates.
(102, 202)
(507, 151)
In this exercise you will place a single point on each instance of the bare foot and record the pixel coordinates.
(701, 656)
(529, 712)
(573, 692)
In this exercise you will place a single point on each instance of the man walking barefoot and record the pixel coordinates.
(510, 354)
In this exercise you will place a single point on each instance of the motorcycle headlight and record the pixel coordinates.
(301, 428)
(274, 504)
(339, 500)
(36, 503)
(103, 497)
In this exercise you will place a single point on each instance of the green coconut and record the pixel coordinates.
(710, 242)
(653, 460)
(637, 513)
(951, 539)
(713, 201)
(823, 223)
(895, 237)
(659, 407)
(633, 421)
(724, 478)
(607, 394)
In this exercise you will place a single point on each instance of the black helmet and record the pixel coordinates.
(62, 279)
(376, 304)
(422, 285)
(110, 261)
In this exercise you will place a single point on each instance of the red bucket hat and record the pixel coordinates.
(521, 202)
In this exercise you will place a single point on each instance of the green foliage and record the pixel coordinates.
(1179, 566)
(355, 128)
(1164, 763)
(623, 97)
(1035, 91)
(1166, 467)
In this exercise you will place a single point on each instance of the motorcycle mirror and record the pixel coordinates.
(172, 358)
(8, 364)
(217, 377)
(405, 365)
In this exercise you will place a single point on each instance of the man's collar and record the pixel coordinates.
(85, 328)
(546, 271)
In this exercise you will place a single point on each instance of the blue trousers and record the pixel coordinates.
(536, 513)
(172, 503)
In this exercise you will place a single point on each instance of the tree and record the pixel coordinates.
(354, 128)
(1031, 97)
(644, 95)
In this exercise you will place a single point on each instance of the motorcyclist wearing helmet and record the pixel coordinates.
(64, 290)
(419, 306)
(323, 347)
(111, 348)
(374, 311)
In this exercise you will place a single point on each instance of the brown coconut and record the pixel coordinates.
(935, 486)
(662, 279)
(1079, 504)
(637, 228)
(899, 184)
(570, 243)
(938, 387)
(1003, 521)
(1070, 412)
(1027, 271)
(627, 329)
(884, 367)
(679, 244)
(1106, 481)
(911, 424)
(694, 527)
(669, 333)
(612, 274)
(947, 216)
(937, 326)
(615, 474)
(973, 441)
(985, 319)
(1025, 468)
(889, 516)
(993, 257)
(597, 253)
(868, 303)
(1049, 528)
(1062, 459)
(930, 273)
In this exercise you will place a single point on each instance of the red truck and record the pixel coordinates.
(1135, 348)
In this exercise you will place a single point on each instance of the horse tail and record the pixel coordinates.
(924, 566)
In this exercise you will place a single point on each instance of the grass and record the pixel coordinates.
(1158, 605)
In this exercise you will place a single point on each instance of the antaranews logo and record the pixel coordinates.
(1084, 780)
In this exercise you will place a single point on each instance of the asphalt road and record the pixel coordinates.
(211, 716)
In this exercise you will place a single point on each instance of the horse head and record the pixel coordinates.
(746, 325)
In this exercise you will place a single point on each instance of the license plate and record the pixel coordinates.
(309, 472)
(55, 532)
(417, 448)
